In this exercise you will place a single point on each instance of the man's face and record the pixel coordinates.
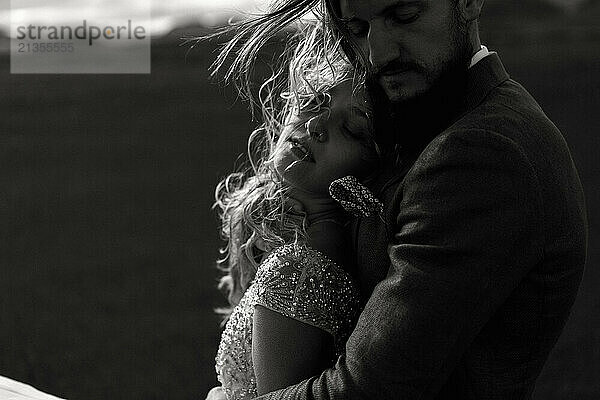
(410, 44)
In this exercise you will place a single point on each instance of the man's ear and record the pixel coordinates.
(470, 9)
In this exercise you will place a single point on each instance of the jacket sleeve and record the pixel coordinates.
(469, 227)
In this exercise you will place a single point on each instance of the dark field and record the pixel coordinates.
(107, 278)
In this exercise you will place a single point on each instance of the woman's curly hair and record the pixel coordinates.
(250, 201)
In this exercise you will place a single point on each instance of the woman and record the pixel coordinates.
(293, 305)
(294, 318)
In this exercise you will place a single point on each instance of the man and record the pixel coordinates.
(472, 287)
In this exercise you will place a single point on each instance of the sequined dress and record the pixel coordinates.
(300, 283)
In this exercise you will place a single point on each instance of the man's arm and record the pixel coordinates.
(469, 228)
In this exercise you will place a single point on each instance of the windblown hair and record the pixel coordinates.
(251, 35)
(250, 201)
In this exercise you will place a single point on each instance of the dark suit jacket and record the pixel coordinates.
(476, 271)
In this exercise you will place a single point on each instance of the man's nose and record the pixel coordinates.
(381, 45)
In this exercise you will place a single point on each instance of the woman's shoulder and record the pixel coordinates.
(297, 261)
(303, 283)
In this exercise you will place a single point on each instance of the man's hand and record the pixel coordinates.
(216, 393)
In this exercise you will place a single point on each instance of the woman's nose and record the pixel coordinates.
(316, 131)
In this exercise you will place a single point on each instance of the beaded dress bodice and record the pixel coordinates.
(300, 283)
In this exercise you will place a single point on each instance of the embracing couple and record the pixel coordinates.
(410, 224)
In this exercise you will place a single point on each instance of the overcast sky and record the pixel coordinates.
(165, 13)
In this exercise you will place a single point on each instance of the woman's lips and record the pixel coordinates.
(300, 149)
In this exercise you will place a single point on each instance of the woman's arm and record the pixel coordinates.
(286, 351)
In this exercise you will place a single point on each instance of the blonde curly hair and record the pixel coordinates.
(250, 201)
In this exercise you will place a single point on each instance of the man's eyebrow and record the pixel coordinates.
(386, 10)
(404, 3)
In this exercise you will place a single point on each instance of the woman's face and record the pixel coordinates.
(317, 147)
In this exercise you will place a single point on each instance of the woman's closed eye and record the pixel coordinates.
(318, 134)
(356, 130)
(316, 126)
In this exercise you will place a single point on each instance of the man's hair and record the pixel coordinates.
(352, 50)
(248, 37)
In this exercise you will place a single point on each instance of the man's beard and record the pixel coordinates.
(413, 122)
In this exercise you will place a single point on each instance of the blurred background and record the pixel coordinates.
(108, 241)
